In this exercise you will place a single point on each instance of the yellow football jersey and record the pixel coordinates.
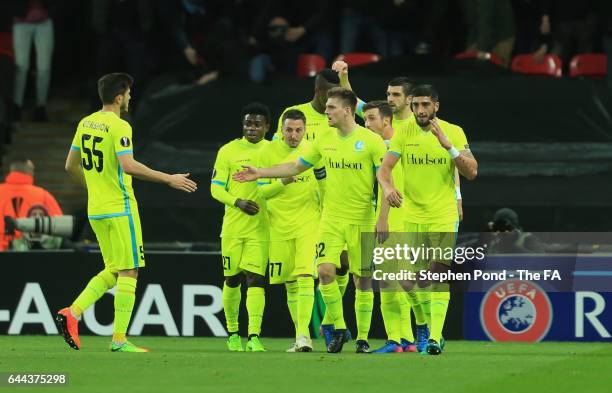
(350, 163)
(293, 209)
(230, 159)
(101, 137)
(429, 182)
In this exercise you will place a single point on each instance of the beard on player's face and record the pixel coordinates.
(423, 119)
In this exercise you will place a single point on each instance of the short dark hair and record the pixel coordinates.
(329, 76)
(406, 83)
(426, 91)
(293, 114)
(383, 108)
(256, 108)
(113, 85)
(346, 95)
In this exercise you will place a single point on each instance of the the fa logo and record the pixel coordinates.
(359, 146)
(516, 310)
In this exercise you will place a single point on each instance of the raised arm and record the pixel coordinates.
(464, 160)
(341, 68)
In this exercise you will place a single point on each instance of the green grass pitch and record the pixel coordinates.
(204, 365)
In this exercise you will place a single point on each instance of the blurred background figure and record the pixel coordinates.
(490, 28)
(32, 24)
(18, 195)
(508, 236)
(573, 27)
(122, 30)
(206, 38)
(292, 27)
(533, 30)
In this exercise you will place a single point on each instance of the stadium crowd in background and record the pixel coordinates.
(201, 40)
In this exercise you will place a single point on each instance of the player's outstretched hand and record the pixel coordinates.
(249, 207)
(249, 173)
(393, 196)
(437, 131)
(181, 182)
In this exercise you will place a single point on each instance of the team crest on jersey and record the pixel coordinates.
(125, 141)
(516, 310)
(359, 146)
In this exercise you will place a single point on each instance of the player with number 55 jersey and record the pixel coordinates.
(101, 158)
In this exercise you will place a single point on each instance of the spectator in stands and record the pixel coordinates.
(7, 70)
(573, 27)
(18, 195)
(357, 18)
(292, 28)
(32, 23)
(533, 31)
(385, 27)
(35, 241)
(122, 29)
(490, 28)
(207, 39)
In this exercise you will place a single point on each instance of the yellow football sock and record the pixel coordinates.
(390, 309)
(342, 284)
(292, 302)
(424, 298)
(231, 306)
(94, 290)
(125, 295)
(255, 304)
(439, 306)
(413, 299)
(364, 303)
(305, 301)
(333, 304)
(405, 317)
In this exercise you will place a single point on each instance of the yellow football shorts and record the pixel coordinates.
(240, 254)
(120, 240)
(334, 236)
(434, 237)
(292, 258)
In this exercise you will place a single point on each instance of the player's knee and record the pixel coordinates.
(407, 285)
(109, 277)
(327, 273)
(255, 280)
(362, 283)
(423, 283)
(133, 273)
(232, 281)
